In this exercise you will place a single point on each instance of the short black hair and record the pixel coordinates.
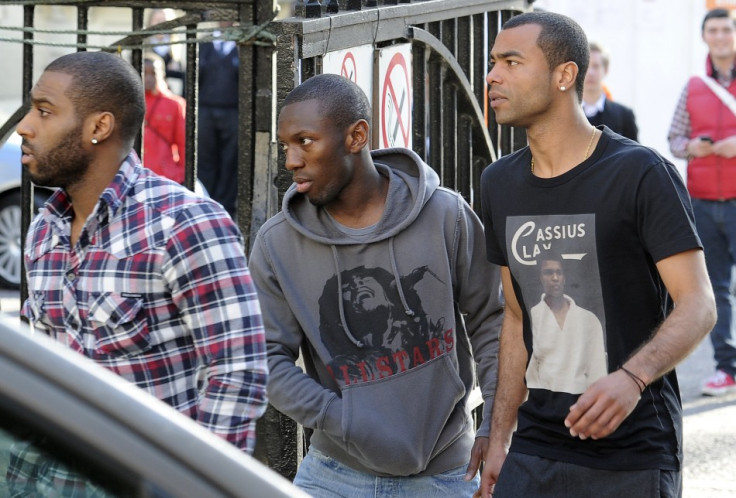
(339, 99)
(561, 40)
(715, 14)
(103, 82)
(552, 255)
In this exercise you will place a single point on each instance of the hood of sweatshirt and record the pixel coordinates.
(411, 183)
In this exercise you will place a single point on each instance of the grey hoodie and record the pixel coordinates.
(386, 322)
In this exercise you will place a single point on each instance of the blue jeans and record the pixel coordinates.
(716, 224)
(324, 477)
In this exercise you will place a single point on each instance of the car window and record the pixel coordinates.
(35, 464)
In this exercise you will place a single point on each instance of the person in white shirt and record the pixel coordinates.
(557, 320)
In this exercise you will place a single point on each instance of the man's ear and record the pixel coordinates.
(565, 75)
(99, 126)
(357, 136)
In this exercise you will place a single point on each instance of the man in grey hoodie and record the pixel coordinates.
(379, 276)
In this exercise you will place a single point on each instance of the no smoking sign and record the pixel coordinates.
(395, 96)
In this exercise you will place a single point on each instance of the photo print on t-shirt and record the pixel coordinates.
(553, 259)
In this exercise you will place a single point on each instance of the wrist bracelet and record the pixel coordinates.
(639, 383)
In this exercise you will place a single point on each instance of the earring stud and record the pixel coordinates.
(94, 141)
(562, 88)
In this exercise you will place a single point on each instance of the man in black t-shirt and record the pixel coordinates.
(620, 216)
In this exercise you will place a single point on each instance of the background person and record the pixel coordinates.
(621, 209)
(170, 53)
(703, 130)
(597, 104)
(217, 132)
(164, 126)
(378, 276)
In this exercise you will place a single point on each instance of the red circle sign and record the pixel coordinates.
(396, 104)
(349, 69)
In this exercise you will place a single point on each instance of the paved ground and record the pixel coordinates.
(709, 430)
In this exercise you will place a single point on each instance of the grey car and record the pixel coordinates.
(10, 211)
(61, 412)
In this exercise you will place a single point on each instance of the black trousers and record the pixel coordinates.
(217, 154)
(531, 476)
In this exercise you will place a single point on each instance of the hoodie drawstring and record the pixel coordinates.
(397, 277)
(339, 300)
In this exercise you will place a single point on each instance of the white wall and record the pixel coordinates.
(655, 45)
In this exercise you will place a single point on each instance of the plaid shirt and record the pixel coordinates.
(33, 472)
(680, 129)
(157, 290)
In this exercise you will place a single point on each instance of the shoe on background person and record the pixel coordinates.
(718, 384)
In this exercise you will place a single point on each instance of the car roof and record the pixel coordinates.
(123, 404)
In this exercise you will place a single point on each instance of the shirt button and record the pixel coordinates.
(70, 275)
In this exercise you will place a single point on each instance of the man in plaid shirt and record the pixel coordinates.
(133, 270)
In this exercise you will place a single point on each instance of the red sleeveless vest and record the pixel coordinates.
(711, 177)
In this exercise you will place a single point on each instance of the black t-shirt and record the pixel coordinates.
(590, 238)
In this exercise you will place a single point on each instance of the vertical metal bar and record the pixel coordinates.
(136, 59)
(464, 140)
(449, 111)
(26, 187)
(494, 129)
(435, 110)
(481, 44)
(246, 76)
(449, 132)
(263, 124)
(82, 26)
(353, 5)
(332, 7)
(312, 9)
(419, 100)
(191, 92)
(479, 61)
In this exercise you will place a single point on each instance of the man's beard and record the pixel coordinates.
(64, 165)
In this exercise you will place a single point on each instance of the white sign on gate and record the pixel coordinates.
(355, 63)
(393, 125)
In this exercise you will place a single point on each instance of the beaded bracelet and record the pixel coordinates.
(639, 383)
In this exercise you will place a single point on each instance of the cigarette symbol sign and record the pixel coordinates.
(396, 104)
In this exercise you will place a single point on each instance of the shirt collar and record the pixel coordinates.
(129, 171)
(593, 109)
(112, 196)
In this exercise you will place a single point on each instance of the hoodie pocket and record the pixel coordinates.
(397, 425)
(119, 325)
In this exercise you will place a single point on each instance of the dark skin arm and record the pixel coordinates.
(510, 391)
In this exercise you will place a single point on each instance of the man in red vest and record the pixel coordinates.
(703, 130)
